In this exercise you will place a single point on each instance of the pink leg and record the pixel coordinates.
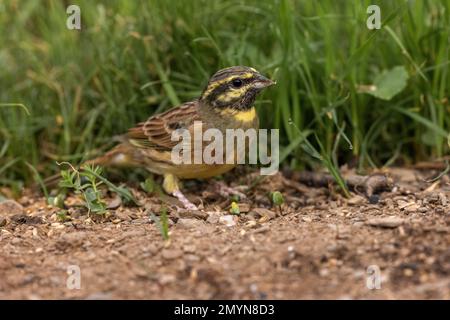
(186, 203)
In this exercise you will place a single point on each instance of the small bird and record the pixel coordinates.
(225, 103)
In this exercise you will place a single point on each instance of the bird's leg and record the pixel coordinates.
(171, 186)
(226, 191)
(186, 203)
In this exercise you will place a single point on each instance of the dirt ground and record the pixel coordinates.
(320, 245)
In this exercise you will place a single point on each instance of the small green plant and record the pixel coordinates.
(162, 223)
(62, 216)
(148, 185)
(86, 183)
(123, 192)
(328, 159)
(234, 209)
(277, 199)
(57, 201)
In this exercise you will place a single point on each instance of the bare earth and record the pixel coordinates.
(319, 246)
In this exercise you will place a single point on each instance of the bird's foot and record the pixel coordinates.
(186, 203)
(226, 191)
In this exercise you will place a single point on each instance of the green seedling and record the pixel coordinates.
(277, 199)
(162, 222)
(62, 216)
(148, 185)
(234, 209)
(87, 185)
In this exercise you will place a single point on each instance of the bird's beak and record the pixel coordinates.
(263, 82)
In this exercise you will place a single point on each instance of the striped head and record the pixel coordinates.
(234, 88)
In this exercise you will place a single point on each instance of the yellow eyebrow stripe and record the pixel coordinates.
(215, 84)
(231, 95)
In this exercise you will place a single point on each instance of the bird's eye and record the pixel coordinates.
(237, 83)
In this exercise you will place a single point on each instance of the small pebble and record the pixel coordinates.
(386, 222)
(10, 207)
(189, 223)
(228, 220)
(170, 254)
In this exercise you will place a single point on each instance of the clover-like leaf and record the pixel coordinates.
(388, 83)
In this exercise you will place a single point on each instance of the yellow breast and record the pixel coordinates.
(243, 116)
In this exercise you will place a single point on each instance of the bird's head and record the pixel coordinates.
(234, 88)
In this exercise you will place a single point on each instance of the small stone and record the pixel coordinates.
(403, 204)
(57, 226)
(73, 239)
(263, 214)
(228, 220)
(251, 224)
(197, 214)
(171, 254)
(408, 272)
(151, 248)
(253, 288)
(189, 248)
(422, 209)
(114, 203)
(244, 207)
(213, 217)
(358, 224)
(166, 279)
(306, 219)
(2, 222)
(374, 199)
(388, 202)
(122, 215)
(324, 272)
(135, 233)
(261, 229)
(24, 219)
(343, 233)
(386, 222)
(191, 257)
(356, 200)
(412, 208)
(189, 223)
(10, 207)
(439, 210)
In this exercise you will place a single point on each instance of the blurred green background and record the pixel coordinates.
(134, 58)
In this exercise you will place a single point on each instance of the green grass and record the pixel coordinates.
(134, 58)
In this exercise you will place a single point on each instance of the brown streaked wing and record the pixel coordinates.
(156, 132)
